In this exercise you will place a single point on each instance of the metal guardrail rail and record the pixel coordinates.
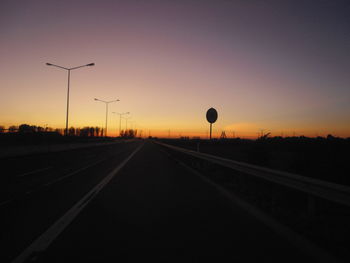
(314, 187)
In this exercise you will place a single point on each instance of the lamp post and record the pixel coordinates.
(106, 102)
(69, 70)
(120, 120)
(126, 122)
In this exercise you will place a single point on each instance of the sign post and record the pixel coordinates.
(212, 116)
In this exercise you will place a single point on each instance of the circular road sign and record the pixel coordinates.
(212, 115)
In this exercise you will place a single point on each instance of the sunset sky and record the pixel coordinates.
(281, 66)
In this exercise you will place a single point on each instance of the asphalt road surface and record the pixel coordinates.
(127, 202)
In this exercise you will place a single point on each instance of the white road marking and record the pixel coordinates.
(43, 241)
(35, 171)
(3, 203)
(72, 173)
(51, 183)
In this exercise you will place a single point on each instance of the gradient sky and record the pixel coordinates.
(282, 66)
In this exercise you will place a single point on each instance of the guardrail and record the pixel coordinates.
(326, 190)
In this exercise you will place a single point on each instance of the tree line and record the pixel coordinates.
(87, 131)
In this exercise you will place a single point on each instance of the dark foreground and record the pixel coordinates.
(153, 208)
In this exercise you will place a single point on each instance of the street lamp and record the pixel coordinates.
(120, 120)
(126, 122)
(107, 102)
(69, 69)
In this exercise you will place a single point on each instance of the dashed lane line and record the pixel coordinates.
(35, 171)
(28, 192)
(42, 242)
(6, 202)
(72, 173)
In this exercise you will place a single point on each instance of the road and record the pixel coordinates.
(126, 202)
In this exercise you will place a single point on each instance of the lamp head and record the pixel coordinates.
(48, 64)
(91, 64)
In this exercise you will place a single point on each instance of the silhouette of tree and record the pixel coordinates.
(84, 132)
(71, 131)
(128, 134)
(92, 132)
(59, 131)
(25, 128)
(87, 131)
(330, 137)
(264, 136)
(12, 128)
(40, 129)
(97, 131)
